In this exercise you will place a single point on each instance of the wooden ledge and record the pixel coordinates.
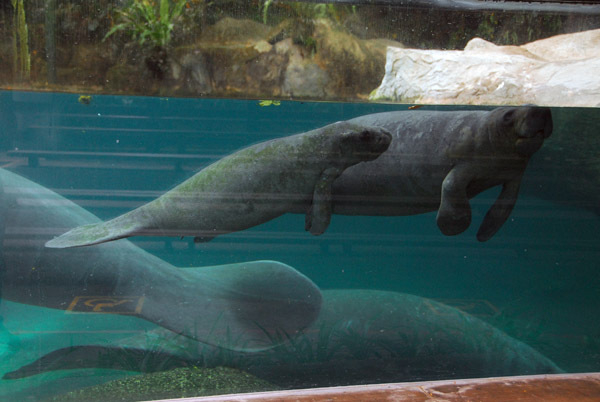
(547, 388)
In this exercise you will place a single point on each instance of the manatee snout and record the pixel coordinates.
(370, 142)
(533, 127)
(378, 137)
(537, 122)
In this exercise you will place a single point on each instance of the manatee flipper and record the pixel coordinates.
(500, 211)
(454, 213)
(318, 215)
(96, 233)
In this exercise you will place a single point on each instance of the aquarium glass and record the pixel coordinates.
(454, 238)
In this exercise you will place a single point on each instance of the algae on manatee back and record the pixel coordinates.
(177, 383)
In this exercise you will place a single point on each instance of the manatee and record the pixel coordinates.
(361, 336)
(438, 160)
(247, 188)
(248, 301)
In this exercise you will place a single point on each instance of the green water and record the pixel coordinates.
(537, 279)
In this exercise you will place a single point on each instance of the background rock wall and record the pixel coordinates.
(246, 49)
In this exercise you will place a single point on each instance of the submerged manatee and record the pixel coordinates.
(248, 301)
(247, 188)
(439, 160)
(361, 336)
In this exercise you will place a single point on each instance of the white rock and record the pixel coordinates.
(557, 71)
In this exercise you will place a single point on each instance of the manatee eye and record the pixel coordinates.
(508, 116)
(366, 136)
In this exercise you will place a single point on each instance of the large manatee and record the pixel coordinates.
(247, 188)
(361, 336)
(437, 161)
(247, 301)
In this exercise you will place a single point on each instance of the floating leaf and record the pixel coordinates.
(85, 99)
(269, 103)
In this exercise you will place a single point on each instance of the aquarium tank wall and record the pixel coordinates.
(213, 197)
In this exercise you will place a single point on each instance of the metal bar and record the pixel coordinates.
(543, 6)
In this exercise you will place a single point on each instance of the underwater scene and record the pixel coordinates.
(424, 243)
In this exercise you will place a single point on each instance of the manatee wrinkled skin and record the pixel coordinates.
(247, 188)
(440, 160)
(250, 301)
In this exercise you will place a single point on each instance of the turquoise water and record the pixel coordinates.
(536, 279)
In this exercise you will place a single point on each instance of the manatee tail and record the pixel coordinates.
(248, 306)
(96, 233)
(243, 307)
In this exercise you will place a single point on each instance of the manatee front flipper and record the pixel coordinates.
(318, 215)
(500, 211)
(454, 213)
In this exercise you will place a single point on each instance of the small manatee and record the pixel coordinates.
(247, 188)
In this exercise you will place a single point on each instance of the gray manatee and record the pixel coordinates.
(248, 301)
(361, 336)
(247, 188)
(439, 160)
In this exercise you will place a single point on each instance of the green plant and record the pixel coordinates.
(265, 9)
(21, 58)
(145, 21)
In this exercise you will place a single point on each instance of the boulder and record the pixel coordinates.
(237, 58)
(191, 73)
(555, 72)
(82, 64)
(354, 65)
(574, 46)
(303, 78)
(232, 30)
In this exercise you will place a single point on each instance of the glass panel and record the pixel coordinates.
(446, 238)
(372, 299)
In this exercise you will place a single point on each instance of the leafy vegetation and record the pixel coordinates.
(146, 21)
